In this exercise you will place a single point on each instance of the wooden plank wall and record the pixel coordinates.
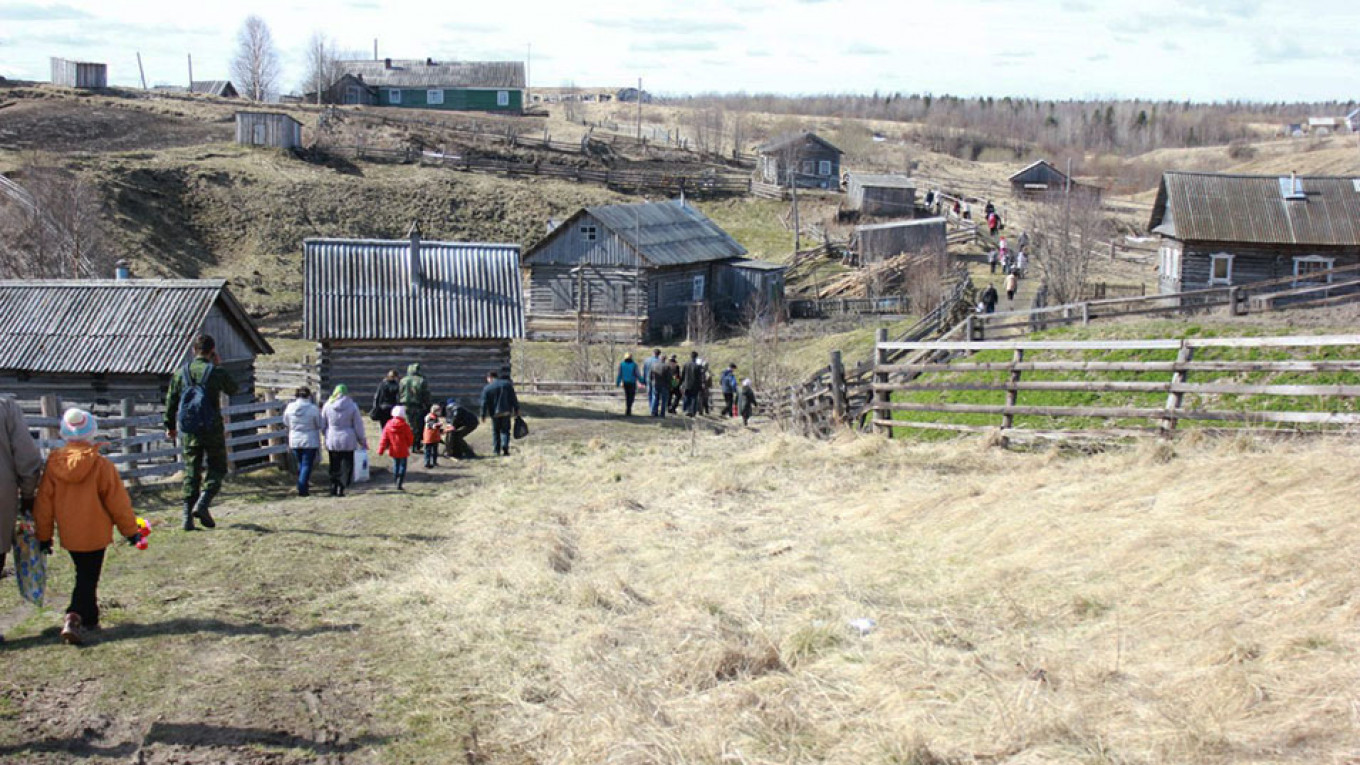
(451, 367)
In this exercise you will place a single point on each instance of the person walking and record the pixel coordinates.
(344, 434)
(414, 393)
(1012, 282)
(628, 377)
(500, 403)
(676, 387)
(385, 397)
(1021, 261)
(192, 413)
(705, 387)
(433, 434)
(396, 442)
(748, 401)
(649, 370)
(462, 421)
(988, 299)
(660, 380)
(728, 383)
(691, 382)
(1024, 241)
(20, 467)
(305, 425)
(82, 496)
(992, 257)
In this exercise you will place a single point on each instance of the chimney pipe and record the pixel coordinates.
(429, 62)
(413, 255)
(122, 271)
(387, 63)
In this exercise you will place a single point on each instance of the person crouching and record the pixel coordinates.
(83, 496)
(396, 442)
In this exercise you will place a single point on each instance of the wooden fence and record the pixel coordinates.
(809, 308)
(256, 438)
(281, 380)
(1220, 377)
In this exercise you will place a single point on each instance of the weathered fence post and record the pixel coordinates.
(1085, 314)
(1175, 398)
(968, 328)
(1012, 392)
(882, 398)
(1234, 306)
(838, 403)
(283, 459)
(128, 409)
(50, 406)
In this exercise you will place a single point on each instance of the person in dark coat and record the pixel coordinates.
(648, 376)
(748, 401)
(676, 387)
(463, 422)
(385, 397)
(691, 383)
(728, 383)
(628, 378)
(501, 405)
(988, 298)
(661, 381)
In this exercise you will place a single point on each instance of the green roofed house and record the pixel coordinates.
(486, 86)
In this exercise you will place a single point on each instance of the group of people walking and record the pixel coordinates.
(672, 387)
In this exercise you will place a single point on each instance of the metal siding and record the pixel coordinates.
(1251, 209)
(668, 233)
(505, 75)
(361, 290)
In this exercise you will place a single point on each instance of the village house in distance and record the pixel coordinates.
(1041, 180)
(634, 272)
(805, 158)
(1222, 230)
(487, 86)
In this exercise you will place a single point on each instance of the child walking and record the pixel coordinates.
(748, 401)
(83, 496)
(397, 439)
(434, 433)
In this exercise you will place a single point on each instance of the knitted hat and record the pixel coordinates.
(399, 412)
(746, 383)
(78, 425)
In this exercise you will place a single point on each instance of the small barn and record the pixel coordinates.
(374, 305)
(79, 74)
(273, 129)
(1041, 180)
(487, 86)
(219, 88)
(1221, 230)
(637, 271)
(97, 342)
(1353, 121)
(881, 241)
(881, 195)
(802, 157)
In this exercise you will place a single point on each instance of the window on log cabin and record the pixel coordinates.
(824, 167)
(809, 167)
(434, 97)
(1220, 268)
(1305, 266)
(618, 298)
(394, 96)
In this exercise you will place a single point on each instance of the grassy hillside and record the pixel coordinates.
(619, 591)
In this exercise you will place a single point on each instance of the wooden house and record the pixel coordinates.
(375, 305)
(273, 129)
(1041, 180)
(1353, 121)
(1221, 230)
(633, 272)
(803, 158)
(79, 74)
(97, 342)
(882, 241)
(881, 195)
(219, 88)
(487, 86)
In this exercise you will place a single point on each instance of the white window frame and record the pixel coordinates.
(1171, 262)
(1213, 266)
(590, 233)
(824, 167)
(394, 96)
(434, 97)
(1329, 264)
(697, 294)
(808, 167)
(502, 98)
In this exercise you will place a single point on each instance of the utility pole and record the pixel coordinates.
(375, 49)
(528, 66)
(140, 70)
(191, 71)
(639, 116)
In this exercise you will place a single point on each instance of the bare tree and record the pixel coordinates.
(255, 65)
(323, 64)
(1066, 232)
(50, 227)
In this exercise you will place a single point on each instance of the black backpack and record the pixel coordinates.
(198, 411)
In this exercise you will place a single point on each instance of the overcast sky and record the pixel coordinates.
(1176, 49)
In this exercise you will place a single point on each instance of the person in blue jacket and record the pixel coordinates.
(648, 372)
(728, 381)
(628, 377)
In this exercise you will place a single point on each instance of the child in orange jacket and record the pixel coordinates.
(396, 442)
(82, 494)
(435, 425)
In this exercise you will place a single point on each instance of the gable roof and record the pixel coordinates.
(1034, 166)
(107, 326)
(660, 233)
(222, 88)
(785, 140)
(361, 289)
(423, 74)
(1216, 207)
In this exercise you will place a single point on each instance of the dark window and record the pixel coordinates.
(588, 233)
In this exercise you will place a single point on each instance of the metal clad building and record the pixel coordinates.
(99, 341)
(375, 305)
(1220, 230)
(79, 74)
(273, 129)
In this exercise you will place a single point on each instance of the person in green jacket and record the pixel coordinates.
(209, 445)
(415, 396)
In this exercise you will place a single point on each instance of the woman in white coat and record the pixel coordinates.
(305, 425)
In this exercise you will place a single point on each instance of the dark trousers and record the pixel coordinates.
(432, 454)
(629, 394)
(727, 403)
(1010, 294)
(691, 403)
(455, 443)
(201, 452)
(341, 470)
(85, 596)
(500, 434)
(990, 307)
(675, 399)
(661, 396)
(306, 460)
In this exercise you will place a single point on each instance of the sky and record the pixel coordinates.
(1202, 50)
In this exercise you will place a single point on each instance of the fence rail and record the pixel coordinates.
(808, 308)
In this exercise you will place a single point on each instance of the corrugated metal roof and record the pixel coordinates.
(872, 180)
(134, 326)
(784, 140)
(668, 233)
(450, 74)
(1253, 209)
(361, 289)
(925, 222)
(212, 87)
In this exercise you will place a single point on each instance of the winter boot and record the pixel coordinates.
(201, 511)
(189, 513)
(70, 629)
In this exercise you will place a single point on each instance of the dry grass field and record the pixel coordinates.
(623, 592)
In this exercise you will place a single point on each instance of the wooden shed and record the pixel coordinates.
(96, 342)
(1041, 180)
(273, 129)
(881, 241)
(881, 195)
(803, 158)
(79, 74)
(375, 305)
(633, 272)
(1221, 230)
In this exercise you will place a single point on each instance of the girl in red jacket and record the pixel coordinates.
(396, 442)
